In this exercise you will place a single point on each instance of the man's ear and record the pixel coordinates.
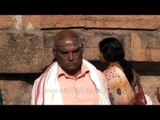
(54, 51)
(82, 46)
(54, 54)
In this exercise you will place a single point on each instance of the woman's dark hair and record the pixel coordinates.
(113, 51)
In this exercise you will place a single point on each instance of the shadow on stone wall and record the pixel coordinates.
(143, 68)
(29, 78)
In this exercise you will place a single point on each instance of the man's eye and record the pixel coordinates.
(64, 53)
(76, 51)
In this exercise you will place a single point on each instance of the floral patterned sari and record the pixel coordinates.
(121, 92)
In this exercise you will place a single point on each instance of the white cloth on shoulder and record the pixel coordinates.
(46, 89)
(148, 99)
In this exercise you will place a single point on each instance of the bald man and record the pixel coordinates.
(70, 80)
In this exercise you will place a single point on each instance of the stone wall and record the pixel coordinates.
(26, 46)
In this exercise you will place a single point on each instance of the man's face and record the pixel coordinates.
(69, 55)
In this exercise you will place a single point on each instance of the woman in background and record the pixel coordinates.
(123, 82)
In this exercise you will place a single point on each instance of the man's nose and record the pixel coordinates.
(70, 56)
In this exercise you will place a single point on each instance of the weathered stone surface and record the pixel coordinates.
(145, 46)
(48, 44)
(150, 22)
(30, 22)
(21, 52)
(6, 22)
(150, 84)
(61, 21)
(102, 21)
(48, 39)
(15, 92)
(91, 53)
(123, 21)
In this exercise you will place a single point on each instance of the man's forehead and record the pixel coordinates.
(68, 42)
(68, 47)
